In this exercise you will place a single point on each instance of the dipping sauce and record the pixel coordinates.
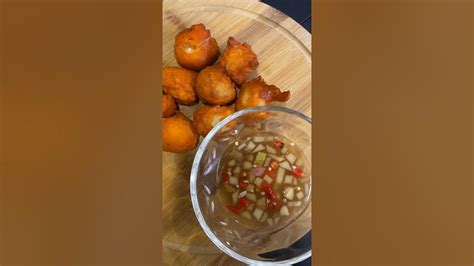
(264, 180)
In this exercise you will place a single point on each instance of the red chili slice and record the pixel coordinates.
(244, 202)
(297, 172)
(268, 190)
(274, 165)
(272, 173)
(278, 144)
(242, 184)
(264, 186)
(234, 209)
(225, 177)
(273, 205)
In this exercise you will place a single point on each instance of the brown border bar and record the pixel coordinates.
(81, 133)
(393, 139)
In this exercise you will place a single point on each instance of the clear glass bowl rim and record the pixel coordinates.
(193, 185)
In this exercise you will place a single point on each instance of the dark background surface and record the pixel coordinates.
(301, 13)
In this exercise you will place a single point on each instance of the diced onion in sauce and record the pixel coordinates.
(284, 211)
(247, 165)
(236, 170)
(276, 218)
(294, 204)
(270, 222)
(277, 158)
(285, 165)
(234, 197)
(257, 213)
(289, 193)
(260, 147)
(270, 149)
(251, 178)
(300, 195)
(299, 163)
(261, 203)
(250, 146)
(247, 215)
(233, 180)
(229, 188)
(291, 158)
(280, 175)
(288, 179)
(268, 179)
(251, 197)
(295, 181)
(251, 188)
(267, 162)
(251, 206)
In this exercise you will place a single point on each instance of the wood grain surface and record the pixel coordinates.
(283, 48)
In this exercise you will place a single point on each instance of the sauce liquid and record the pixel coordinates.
(264, 181)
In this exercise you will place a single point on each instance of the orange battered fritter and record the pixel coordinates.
(214, 87)
(238, 60)
(206, 117)
(169, 106)
(179, 83)
(258, 93)
(179, 134)
(195, 49)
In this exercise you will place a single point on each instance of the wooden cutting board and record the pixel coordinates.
(283, 48)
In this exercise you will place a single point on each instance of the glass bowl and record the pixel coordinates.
(287, 244)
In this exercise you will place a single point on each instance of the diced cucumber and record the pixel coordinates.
(260, 158)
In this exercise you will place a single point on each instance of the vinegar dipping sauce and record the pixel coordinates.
(265, 181)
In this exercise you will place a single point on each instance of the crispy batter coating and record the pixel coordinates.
(179, 83)
(195, 49)
(214, 87)
(258, 93)
(238, 60)
(169, 106)
(206, 117)
(179, 134)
